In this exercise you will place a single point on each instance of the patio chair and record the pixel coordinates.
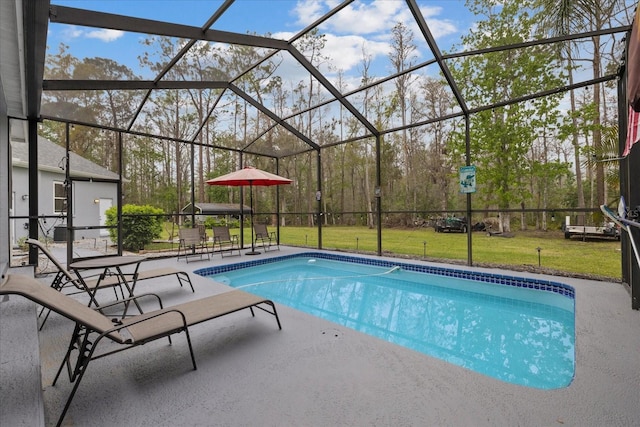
(266, 238)
(191, 244)
(225, 241)
(202, 229)
(92, 325)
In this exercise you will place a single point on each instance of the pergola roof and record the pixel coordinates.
(336, 98)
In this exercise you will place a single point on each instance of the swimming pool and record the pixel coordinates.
(514, 329)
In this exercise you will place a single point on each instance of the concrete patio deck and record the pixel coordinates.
(311, 373)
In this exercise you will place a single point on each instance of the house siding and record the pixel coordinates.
(86, 213)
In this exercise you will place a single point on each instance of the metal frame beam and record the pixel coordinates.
(431, 41)
(35, 25)
(273, 116)
(64, 85)
(88, 18)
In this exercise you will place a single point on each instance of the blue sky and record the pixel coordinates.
(363, 25)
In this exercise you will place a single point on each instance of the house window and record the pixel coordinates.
(59, 197)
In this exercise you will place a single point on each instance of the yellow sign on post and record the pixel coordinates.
(468, 179)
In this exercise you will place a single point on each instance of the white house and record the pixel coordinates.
(89, 199)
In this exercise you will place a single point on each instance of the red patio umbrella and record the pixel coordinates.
(250, 176)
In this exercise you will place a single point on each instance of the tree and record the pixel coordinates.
(437, 101)
(140, 225)
(171, 113)
(501, 138)
(572, 16)
(113, 108)
(307, 94)
(402, 57)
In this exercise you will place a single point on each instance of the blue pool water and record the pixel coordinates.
(513, 329)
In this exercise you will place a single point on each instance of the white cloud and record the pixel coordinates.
(438, 27)
(348, 51)
(363, 28)
(376, 17)
(73, 32)
(105, 35)
(308, 11)
(360, 18)
(282, 35)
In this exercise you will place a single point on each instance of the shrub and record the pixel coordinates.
(211, 221)
(140, 225)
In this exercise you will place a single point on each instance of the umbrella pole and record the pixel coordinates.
(253, 241)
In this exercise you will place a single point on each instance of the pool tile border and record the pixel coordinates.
(499, 279)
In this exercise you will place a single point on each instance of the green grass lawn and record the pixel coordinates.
(590, 258)
(594, 257)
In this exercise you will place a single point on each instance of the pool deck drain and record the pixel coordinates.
(332, 333)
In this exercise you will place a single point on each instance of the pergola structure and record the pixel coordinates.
(25, 25)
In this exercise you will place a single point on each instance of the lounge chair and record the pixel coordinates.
(65, 278)
(266, 238)
(192, 244)
(92, 325)
(225, 241)
(183, 276)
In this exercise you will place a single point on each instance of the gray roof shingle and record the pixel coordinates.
(51, 157)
